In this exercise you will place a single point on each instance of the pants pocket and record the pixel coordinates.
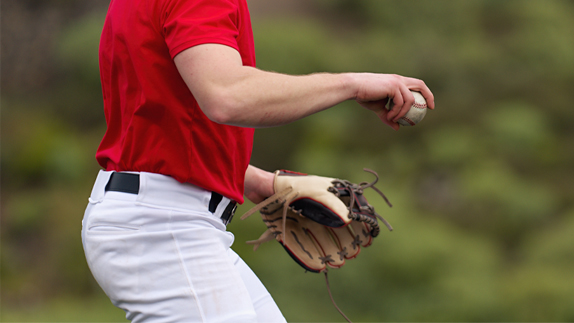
(111, 228)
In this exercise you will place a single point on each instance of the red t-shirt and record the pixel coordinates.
(154, 123)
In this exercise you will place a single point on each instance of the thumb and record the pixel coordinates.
(375, 106)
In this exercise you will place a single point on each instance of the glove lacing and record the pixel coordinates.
(279, 199)
(357, 189)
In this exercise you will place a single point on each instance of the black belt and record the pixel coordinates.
(130, 183)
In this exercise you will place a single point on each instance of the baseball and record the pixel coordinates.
(416, 113)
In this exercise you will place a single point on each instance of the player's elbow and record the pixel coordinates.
(224, 109)
(220, 115)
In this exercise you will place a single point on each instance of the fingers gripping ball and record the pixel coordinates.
(319, 221)
(416, 113)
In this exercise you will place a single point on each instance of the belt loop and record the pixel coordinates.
(97, 194)
(214, 201)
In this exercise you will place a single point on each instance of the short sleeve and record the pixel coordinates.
(187, 23)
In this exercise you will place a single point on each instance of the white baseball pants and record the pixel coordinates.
(161, 256)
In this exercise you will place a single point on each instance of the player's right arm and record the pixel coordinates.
(230, 93)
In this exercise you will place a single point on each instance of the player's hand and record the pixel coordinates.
(375, 91)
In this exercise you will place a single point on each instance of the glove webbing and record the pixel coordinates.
(346, 188)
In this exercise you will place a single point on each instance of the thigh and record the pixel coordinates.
(265, 307)
(175, 270)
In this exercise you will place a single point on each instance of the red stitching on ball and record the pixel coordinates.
(409, 121)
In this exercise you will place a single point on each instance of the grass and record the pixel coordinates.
(94, 309)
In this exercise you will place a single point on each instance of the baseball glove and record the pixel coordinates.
(320, 221)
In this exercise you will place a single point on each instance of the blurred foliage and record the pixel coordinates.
(483, 189)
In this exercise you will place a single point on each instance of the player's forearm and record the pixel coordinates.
(262, 99)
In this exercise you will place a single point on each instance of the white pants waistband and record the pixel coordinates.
(162, 191)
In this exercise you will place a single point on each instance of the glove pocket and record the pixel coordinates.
(321, 213)
(313, 246)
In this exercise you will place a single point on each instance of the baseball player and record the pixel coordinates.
(182, 97)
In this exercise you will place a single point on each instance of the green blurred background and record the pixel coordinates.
(482, 189)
